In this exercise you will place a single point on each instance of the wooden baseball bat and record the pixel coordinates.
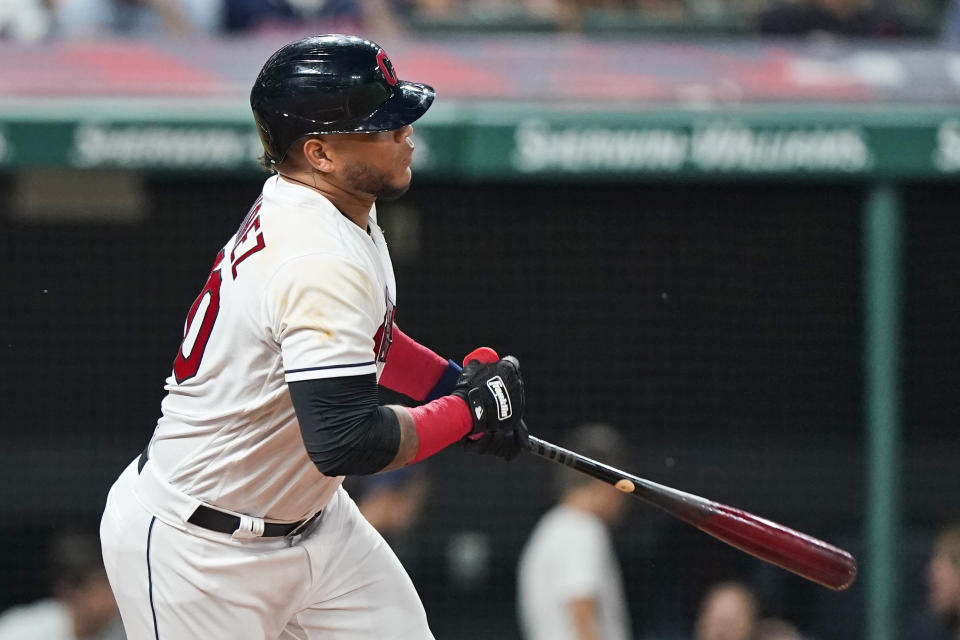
(804, 555)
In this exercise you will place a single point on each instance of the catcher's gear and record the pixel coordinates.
(331, 84)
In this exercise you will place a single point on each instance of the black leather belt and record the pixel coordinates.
(214, 520)
(143, 457)
(221, 522)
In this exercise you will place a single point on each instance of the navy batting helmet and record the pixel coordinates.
(331, 84)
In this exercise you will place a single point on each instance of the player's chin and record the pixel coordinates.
(396, 188)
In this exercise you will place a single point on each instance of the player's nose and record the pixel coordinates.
(403, 133)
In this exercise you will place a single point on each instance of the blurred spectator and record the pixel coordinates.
(392, 501)
(569, 583)
(136, 18)
(564, 14)
(942, 620)
(776, 629)
(322, 16)
(951, 25)
(838, 17)
(24, 20)
(570, 14)
(83, 607)
(433, 8)
(728, 611)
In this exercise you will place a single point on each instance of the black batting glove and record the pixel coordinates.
(494, 394)
(506, 444)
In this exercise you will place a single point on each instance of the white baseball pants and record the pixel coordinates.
(339, 580)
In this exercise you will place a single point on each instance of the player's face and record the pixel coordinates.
(727, 615)
(943, 578)
(377, 164)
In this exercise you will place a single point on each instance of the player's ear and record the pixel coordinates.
(315, 153)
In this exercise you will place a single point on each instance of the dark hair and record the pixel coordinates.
(597, 440)
(266, 164)
(73, 557)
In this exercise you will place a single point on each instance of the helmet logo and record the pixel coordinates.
(386, 67)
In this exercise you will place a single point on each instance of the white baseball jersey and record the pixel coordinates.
(50, 619)
(300, 292)
(570, 556)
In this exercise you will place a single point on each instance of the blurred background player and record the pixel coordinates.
(392, 501)
(82, 606)
(776, 629)
(941, 621)
(728, 611)
(569, 582)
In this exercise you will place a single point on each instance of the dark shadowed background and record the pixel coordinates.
(719, 325)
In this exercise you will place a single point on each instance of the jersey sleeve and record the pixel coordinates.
(324, 312)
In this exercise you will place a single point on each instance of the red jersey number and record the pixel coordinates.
(198, 326)
(195, 336)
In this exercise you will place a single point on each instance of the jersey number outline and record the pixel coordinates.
(190, 353)
(185, 366)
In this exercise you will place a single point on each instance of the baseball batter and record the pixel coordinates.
(232, 522)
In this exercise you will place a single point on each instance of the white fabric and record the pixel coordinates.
(47, 620)
(570, 556)
(44, 620)
(337, 581)
(299, 292)
(309, 302)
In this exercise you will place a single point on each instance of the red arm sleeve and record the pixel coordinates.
(416, 371)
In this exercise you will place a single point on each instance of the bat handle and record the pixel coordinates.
(549, 451)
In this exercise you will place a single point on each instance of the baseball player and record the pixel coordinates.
(577, 596)
(232, 522)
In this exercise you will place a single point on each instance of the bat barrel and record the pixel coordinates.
(797, 552)
(791, 550)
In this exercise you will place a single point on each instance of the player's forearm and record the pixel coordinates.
(439, 424)
(428, 429)
(409, 441)
(583, 612)
(345, 432)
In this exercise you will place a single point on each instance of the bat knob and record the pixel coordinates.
(483, 354)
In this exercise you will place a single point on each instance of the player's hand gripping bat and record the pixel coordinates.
(804, 555)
